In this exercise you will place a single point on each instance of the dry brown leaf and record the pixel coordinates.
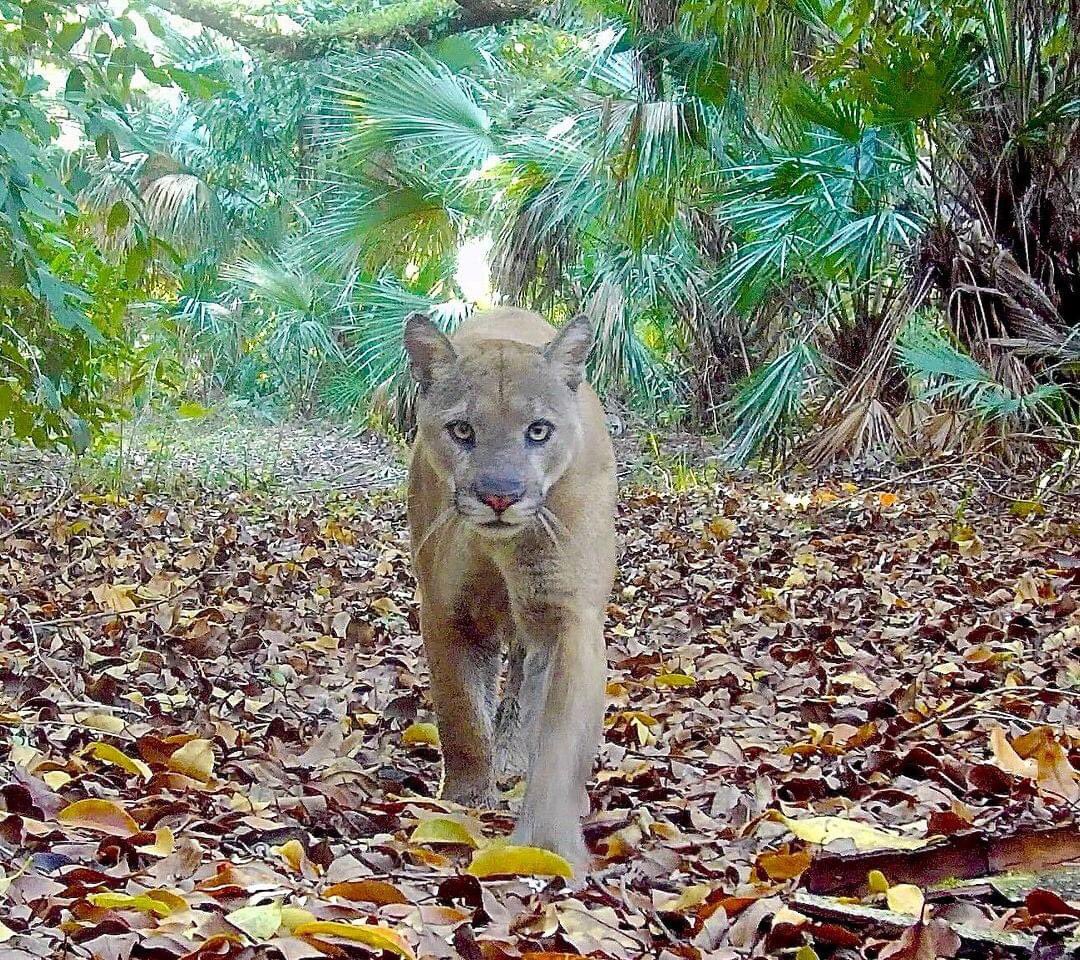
(933, 940)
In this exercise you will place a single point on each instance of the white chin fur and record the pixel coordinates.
(497, 531)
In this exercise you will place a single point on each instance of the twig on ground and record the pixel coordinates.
(65, 489)
(61, 724)
(98, 614)
(957, 466)
(39, 657)
(1026, 691)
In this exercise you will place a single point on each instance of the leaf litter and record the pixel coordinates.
(838, 722)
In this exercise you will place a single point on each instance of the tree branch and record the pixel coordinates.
(407, 22)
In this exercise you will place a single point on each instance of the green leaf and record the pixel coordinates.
(80, 435)
(136, 261)
(259, 922)
(118, 216)
(75, 86)
(190, 410)
(69, 34)
(157, 28)
(49, 392)
(34, 19)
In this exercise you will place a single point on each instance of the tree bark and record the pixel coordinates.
(421, 22)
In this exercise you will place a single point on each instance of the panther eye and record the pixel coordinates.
(539, 431)
(461, 431)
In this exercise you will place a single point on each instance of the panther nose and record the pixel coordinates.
(497, 503)
(499, 493)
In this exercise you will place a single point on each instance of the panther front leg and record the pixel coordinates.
(568, 671)
(463, 677)
(516, 718)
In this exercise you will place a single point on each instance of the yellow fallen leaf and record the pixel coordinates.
(792, 918)
(860, 681)
(104, 722)
(366, 891)
(246, 804)
(1029, 589)
(114, 596)
(381, 938)
(107, 753)
(905, 898)
(23, 756)
(675, 680)
(722, 528)
(6, 933)
(1054, 773)
(888, 499)
(446, 830)
(806, 953)
(639, 716)
(971, 546)
(797, 578)
(294, 854)
(259, 922)
(293, 917)
(825, 830)
(161, 903)
(1027, 508)
(101, 815)
(1007, 758)
(194, 759)
(173, 900)
(421, 733)
(385, 606)
(876, 881)
(508, 860)
(689, 899)
(56, 779)
(164, 843)
(335, 530)
(785, 866)
(427, 857)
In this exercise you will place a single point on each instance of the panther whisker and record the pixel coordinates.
(545, 523)
(561, 527)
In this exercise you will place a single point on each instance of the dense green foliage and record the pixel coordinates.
(850, 227)
(62, 304)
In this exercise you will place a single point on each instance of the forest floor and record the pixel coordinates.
(835, 707)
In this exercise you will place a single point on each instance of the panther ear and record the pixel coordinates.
(431, 355)
(569, 350)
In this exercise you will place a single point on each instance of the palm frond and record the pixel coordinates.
(274, 283)
(944, 372)
(403, 103)
(621, 358)
(377, 312)
(369, 226)
(183, 210)
(770, 402)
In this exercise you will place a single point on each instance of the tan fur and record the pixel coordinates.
(538, 589)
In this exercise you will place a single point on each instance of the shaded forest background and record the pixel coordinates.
(839, 230)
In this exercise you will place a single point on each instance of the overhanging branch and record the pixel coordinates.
(421, 21)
